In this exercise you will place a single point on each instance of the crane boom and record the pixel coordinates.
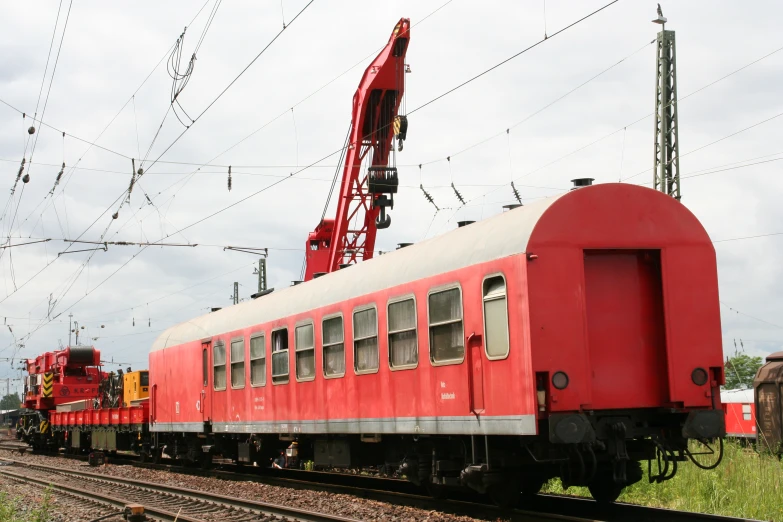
(364, 196)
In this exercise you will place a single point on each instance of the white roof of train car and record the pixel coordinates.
(499, 236)
(737, 396)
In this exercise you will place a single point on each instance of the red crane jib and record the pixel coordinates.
(375, 107)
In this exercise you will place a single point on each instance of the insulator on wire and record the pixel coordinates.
(516, 192)
(229, 178)
(31, 130)
(18, 176)
(456, 192)
(26, 178)
(115, 215)
(133, 178)
(57, 180)
(428, 197)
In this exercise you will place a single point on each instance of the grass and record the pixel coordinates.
(745, 484)
(14, 510)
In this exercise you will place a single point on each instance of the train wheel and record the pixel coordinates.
(506, 494)
(531, 486)
(436, 491)
(605, 491)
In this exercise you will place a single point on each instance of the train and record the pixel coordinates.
(576, 337)
(755, 415)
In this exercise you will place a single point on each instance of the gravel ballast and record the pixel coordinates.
(319, 501)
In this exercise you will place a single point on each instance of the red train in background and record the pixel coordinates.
(739, 407)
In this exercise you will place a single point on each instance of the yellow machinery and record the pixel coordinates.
(136, 385)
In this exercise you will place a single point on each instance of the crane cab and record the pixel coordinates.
(136, 386)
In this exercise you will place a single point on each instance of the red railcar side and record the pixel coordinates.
(610, 332)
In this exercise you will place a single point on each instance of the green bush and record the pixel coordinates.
(745, 484)
(13, 510)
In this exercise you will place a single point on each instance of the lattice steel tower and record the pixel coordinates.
(666, 175)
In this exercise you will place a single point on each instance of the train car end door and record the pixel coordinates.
(203, 401)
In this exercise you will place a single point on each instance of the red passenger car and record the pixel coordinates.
(740, 410)
(574, 337)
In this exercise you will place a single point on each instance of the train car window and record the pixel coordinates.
(495, 317)
(365, 340)
(304, 340)
(280, 356)
(746, 412)
(257, 361)
(403, 342)
(145, 378)
(447, 338)
(219, 366)
(238, 363)
(334, 347)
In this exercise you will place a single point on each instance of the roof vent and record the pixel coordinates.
(581, 182)
(262, 293)
(461, 224)
(318, 274)
(777, 356)
(403, 245)
(512, 206)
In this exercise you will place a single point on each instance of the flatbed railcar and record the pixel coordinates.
(575, 337)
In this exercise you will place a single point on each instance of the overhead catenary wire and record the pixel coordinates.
(91, 145)
(236, 78)
(520, 53)
(283, 113)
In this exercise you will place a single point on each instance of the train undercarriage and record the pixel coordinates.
(604, 453)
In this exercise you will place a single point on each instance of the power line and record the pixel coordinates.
(778, 115)
(189, 176)
(748, 237)
(466, 82)
(43, 123)
(751, 316)
(231, 83)
(542, 109)
(91, 144)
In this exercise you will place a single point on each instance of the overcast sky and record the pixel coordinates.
(124, 297)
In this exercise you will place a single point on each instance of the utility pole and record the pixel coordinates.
(666, 174)
(236, 292)
(261, 271)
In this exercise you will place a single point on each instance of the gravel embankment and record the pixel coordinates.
(27, 502)
(319, 501)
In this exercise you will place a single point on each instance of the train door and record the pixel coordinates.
(476, 373)
(493, 345)
(204, 399)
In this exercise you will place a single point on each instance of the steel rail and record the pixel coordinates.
(399, 492)
(200, 497)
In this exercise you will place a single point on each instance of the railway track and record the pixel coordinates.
(161, 502)
(400, 492)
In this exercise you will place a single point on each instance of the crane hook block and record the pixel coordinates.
(400, 130)
(382, 180)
